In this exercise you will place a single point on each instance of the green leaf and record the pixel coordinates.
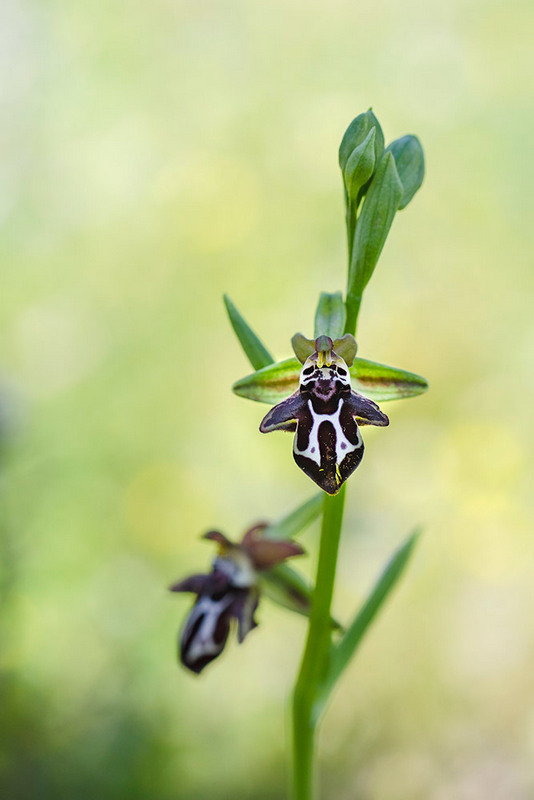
(344, 650)
(378, 210)
(294, 523)
(255, 350)
(410, 163)
(286, 587)
(379, 382)
(356, 133)
(360, 167)
(330, 315)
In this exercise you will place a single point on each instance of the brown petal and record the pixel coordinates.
(265, 553)
(254, 533)
(243, 609)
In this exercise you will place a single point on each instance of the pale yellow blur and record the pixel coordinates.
(155, 155)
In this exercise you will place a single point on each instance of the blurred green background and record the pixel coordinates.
(154, 155)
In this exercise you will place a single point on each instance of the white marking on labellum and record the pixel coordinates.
(343, 446)
(203, 643)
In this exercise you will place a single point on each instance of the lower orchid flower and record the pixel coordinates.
(230, 591)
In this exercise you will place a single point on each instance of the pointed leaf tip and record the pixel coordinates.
(254, 349)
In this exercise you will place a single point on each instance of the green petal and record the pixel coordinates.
(379, 382)
(302, 347)
(255, 350)
(347, 348)
(330, 315)
(410, 163)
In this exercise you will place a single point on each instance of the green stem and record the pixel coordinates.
(351, 224)
(352, 305)
(307, 707)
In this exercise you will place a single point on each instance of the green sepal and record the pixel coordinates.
(274, 383)
(410, 163)
(255, 350)
(295, 522)
(382, 383)
(342, 652)
(356, 133)
(270, 384)
(286, 587)
(330, 316)
(360, 167)
(378, 210)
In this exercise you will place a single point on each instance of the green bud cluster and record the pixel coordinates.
(377, 183)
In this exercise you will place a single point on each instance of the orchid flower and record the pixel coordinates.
(231, 591)
(325, 412)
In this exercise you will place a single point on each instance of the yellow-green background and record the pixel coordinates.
(153, 155)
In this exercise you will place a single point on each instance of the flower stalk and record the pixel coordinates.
(309, 695)
(306, 706)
